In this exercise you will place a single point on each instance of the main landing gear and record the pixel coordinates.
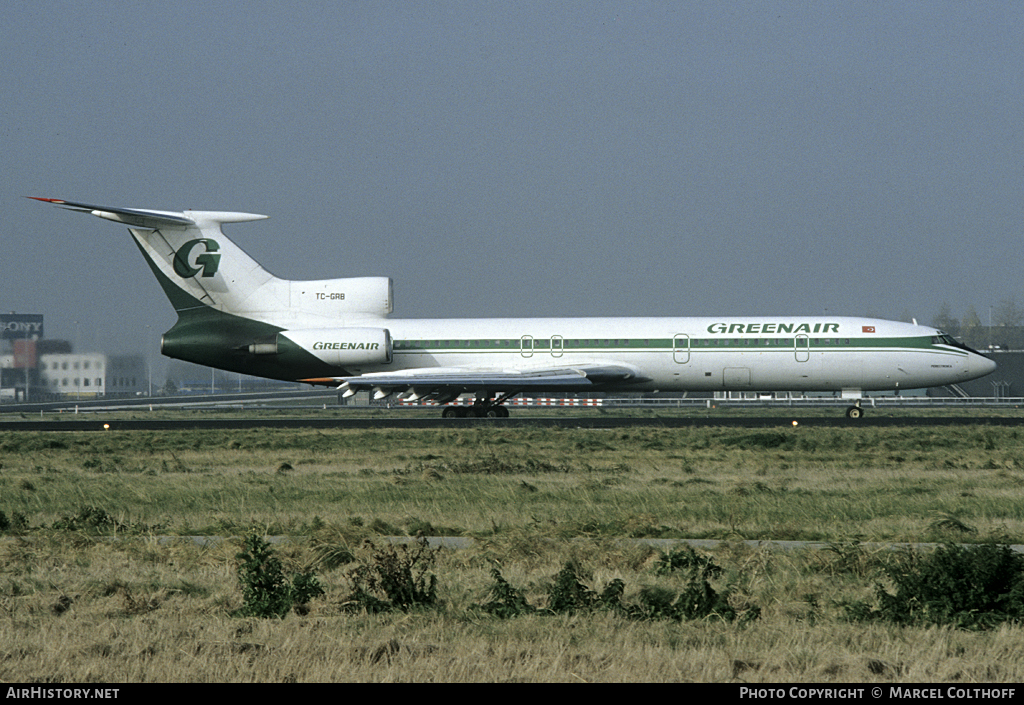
(483, 408)
(491, 411)
(855, 412)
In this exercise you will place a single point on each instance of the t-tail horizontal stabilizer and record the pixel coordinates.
(152, 219)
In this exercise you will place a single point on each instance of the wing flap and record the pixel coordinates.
(448, 383)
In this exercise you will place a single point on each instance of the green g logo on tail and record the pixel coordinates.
(206, 262)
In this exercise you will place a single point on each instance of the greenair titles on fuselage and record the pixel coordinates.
(773, 328)
(345, 346)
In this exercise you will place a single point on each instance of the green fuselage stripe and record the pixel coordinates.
(656, 344)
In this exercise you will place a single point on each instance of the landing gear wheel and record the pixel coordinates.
(854, 412)
(491, 411)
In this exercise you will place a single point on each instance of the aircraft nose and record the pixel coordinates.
(981, 365)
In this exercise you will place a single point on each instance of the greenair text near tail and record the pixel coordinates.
(234, 315)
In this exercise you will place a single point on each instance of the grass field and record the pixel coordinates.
(79, 607)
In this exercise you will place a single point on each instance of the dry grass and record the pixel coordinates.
(77, 607)
(817, 484)
(135, 611)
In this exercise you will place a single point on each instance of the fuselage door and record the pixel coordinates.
(803, 348)
(681, 348)
(556, 345)
(526, 347)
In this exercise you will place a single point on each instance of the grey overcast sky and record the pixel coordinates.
(523, 159)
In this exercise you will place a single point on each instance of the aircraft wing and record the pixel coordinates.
(443, 384)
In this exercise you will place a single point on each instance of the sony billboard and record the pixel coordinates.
(21, 326)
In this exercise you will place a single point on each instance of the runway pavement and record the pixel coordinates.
(101, 422)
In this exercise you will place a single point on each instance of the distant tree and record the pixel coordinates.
(971, 330)
(1008, 313)
(169, 388)
(946, 321)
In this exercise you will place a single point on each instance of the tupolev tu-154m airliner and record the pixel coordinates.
(234, 315)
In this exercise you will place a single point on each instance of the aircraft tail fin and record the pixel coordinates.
(199, 269)
(195, 263)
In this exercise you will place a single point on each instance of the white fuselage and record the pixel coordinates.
(696, 354)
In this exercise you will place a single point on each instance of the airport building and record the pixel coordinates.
(88, 375)
(34, 368)
(20, 334)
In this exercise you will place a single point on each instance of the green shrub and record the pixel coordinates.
(96, 520)
(265, 592)
(685, 558)
(17, 523)
(968, 587)
(568, 593)
(505, 601)
(395, 579)
(89, 518)
(698, 599)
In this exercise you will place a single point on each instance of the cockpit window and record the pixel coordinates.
(944, 339)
